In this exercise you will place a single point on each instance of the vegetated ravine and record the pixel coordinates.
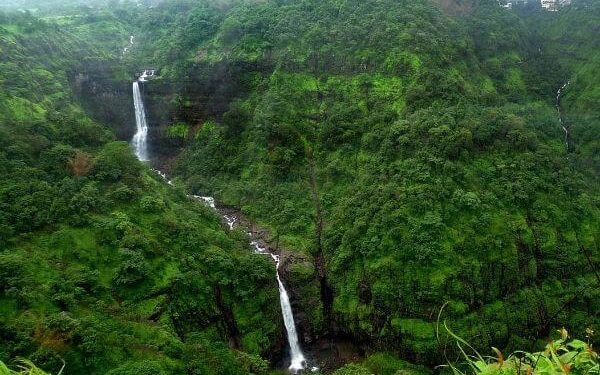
(564, 126)
(140, 144)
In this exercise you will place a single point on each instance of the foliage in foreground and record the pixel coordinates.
(24, 368)
(560, 357)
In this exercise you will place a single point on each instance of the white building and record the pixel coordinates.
(510, 3)
(550, 5)
(554, 5)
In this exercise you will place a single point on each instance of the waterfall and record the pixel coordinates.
(140, 139)
(130, 44)
(139, 142)
(231, 220)
(297, 357)
(298, 362)
(560, 119)
(209, 201)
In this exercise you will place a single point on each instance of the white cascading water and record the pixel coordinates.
(298, 362)
(558, 97)
(140, 139)
(130, 44)
(231, 220)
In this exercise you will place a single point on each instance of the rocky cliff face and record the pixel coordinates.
(163, 106)
(105, 98)
(109, 100)
(205, 94)
(300, 276)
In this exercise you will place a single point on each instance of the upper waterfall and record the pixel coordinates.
(140, 139)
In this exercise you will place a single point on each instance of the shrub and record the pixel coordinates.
(122, 193)
(133, 270)
(86, 200)
(116, 162)
(80, 164)
(138, 368)
(152, 204)
(559, 357)
(178, 131)
(353, 369)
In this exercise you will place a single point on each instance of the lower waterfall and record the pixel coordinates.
(298, 362)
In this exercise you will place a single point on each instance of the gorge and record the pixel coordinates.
(140, 146)
(239, 187)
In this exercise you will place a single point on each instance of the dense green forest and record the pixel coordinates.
(102, 265)
(401, 155)
(413, 155)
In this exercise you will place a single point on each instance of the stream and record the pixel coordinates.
(560, 115)
(140, 145)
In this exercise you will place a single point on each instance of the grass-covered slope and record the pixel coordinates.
(414, 154)
(103, 266)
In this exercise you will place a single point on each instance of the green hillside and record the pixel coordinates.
(412, 153)
(402, 155)
(102, 264)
